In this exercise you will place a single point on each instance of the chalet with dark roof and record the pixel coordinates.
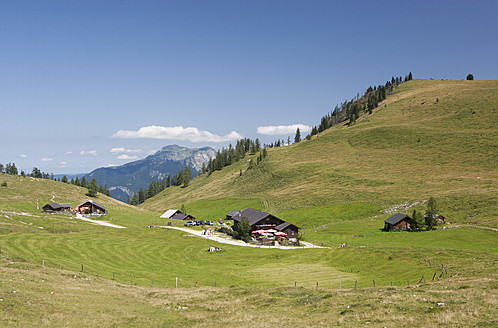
(259, 220)
(56, 207)
(89, 206)
(398, 222)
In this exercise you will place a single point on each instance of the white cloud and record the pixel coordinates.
(124, 150)
(283, 129)
(89, 152)
(23, 155)
(46, 159)
(175, 133)
(63, 163)
(125, 156)
(68, 153)
(111, 165)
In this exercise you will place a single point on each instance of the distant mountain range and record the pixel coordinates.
(124, 180)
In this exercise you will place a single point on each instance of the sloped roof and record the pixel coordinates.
(183, 216)
(65, 205)
(54, 206)
(169, 213)
(254, 216)
(285, 225)
(233, 214)
(92, 202)
(396, 218)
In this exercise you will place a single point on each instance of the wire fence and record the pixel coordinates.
(159, 280)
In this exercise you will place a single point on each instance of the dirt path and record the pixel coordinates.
(453, 226)
(224, 239)
(102, 223)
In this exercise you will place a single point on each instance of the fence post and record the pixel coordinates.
(340, 285)
(113, 276)
(176, 282)
(391, 283)
(132, 279)
(195, 285)
(295, 283)
(60, 266)
(43, 263)
(82, 268)
(215, 284)
(374, 282)
(317, 284)
(152, 281)
(355, 282)
(408, 283)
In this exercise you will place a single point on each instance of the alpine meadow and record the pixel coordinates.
(428, 139)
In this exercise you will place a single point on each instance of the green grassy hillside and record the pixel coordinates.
(430, 138)
(22, 193)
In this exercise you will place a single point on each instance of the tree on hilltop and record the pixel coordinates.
(297, 138)
(470, 77)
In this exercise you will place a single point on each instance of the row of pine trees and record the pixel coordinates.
(350, 110)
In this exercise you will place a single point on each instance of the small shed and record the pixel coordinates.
(170, 214)
(66, 207)
(398, 222)
(289, 229)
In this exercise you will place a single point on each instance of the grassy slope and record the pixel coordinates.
(33, 296)
(22, 193)
(345, 204)
(431, 138)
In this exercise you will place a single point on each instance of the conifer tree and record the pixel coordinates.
(92, 188)
(297, 138)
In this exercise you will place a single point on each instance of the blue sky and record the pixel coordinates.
(85, 84)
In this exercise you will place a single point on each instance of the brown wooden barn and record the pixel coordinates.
(290, 229)
(89, 206)
(56, 207)
(398, 222)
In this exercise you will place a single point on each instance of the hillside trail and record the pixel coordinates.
(220, 238)
(102, 223)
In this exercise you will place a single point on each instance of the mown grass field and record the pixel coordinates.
(31, 295)
(257, 284)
